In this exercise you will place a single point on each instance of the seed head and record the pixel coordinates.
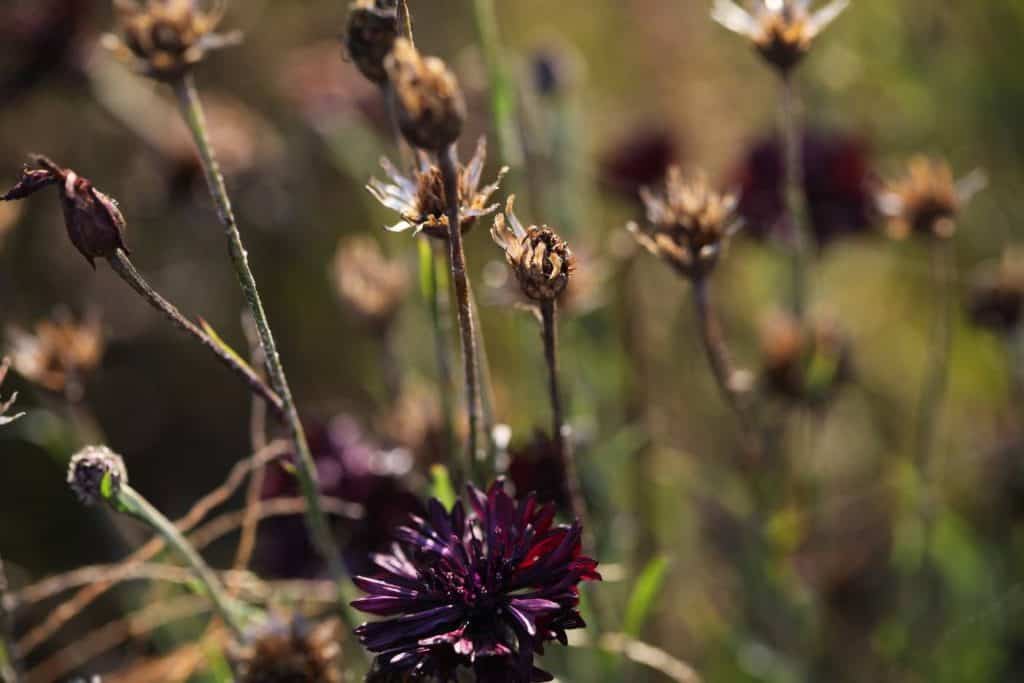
(540, 258)
(368, 283)
(58, 353)
(689, 224)
(782, 31)
(288, 650)
(928, 200)
(996, 299)
(804, 363)
(164, 39)
(96, 473)
(431, 106)
(370, 36)
(93, 220)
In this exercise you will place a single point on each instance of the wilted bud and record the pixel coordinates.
(58, 353)
(163, 39)
(431, 106)
(804, 364)
(997, 294)
(289, 649)
(540, 258)
(927, 201)
(94, 223)
(96, 473)
(370, 36)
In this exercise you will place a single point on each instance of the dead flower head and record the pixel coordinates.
(164, 39)
(5, 405)
(689, 224)
(782, 31)
(90, 468)
(540, 259)
(370, 35)
(996, 300)
(804, 362)
(58, 353)
(928, 200)
(94, 223)
(419, 198)
(369, 283)
(289, 649)
(431, 106)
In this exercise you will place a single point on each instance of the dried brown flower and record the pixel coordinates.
(369, 283)
(805, 363)
(431, 106)
(5, 405)
(419, 197)
(59, 352)
(996, 299)
(164, 39)
(927, 201)
(88, 469)
(288, 650)
(370, 35)
(540, 258)
(688, 225)
(94, 223)
(782, 31)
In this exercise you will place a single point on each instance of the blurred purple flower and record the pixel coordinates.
(484, 590)
(537, 468)
(837, 180)
(640, 159)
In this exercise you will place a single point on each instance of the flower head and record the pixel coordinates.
(419, 198)
(94, 223)
(997, 294)
(96, 473)
(688, 225)
(369, 283)
(431, 106)
(805, 363)
(289, 649)
(483, 590)
(164, 39)
(58, 353)
(6, 405)
(370, 35)
(537, 467)
(782, 31)
(927, 201)
(540, 258)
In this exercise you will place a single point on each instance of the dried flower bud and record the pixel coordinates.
(289, 649)
(370, 35)
(96, 473)
(997, 296)
(689, 225)
(928, 200)
(804, 364)
(782, 31)
(369, 283)
(431, 106)
(164, 39)
(94, 223)
(5, 419)
(540, 258)
(58, 353)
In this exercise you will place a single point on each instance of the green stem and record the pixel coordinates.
(123, 266)
(305, 468)
(796, 199)
(483, 373)
(503, 97)
(129, 501)
(9, 672)
(464, 308)
(433, 294)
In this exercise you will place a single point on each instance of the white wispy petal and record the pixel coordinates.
(733, 17)
(826, 15)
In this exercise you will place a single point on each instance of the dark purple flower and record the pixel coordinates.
(837, 180)
(640, 159)
(537, 468)
(484, 590)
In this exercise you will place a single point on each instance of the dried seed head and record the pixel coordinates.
(59, 353)
(431, 106)
(540, 258)
(782, 31)
(928, 200)
(368, 283)
(164, 39)
(804, 364)
(5, 405)
(996, 299)
(689, 225)
(419, 197)
(370, 35)
(93, 220)
(96, 473)
(288, 650)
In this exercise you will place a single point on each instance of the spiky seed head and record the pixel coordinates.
(540, 259)
(96, 473)
(369, 283)
(928, 199)
(804, 362)
(431, 106)
(370, 35)
(996, 300)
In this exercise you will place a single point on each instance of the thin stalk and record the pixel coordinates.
(464, 309)
(796, 199)
(483, 372)
(129, 501)
(9, 670)
(192, 111)
(503, 97)
(123, 266)
(434, 294)
(559, 430)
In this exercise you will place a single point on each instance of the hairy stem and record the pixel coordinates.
(129, 501)
(123, 266)
(305, 468)
(9, 672)
(464, 309)
(559, 430)
(796, 199)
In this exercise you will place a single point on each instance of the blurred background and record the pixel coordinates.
(840, 579)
